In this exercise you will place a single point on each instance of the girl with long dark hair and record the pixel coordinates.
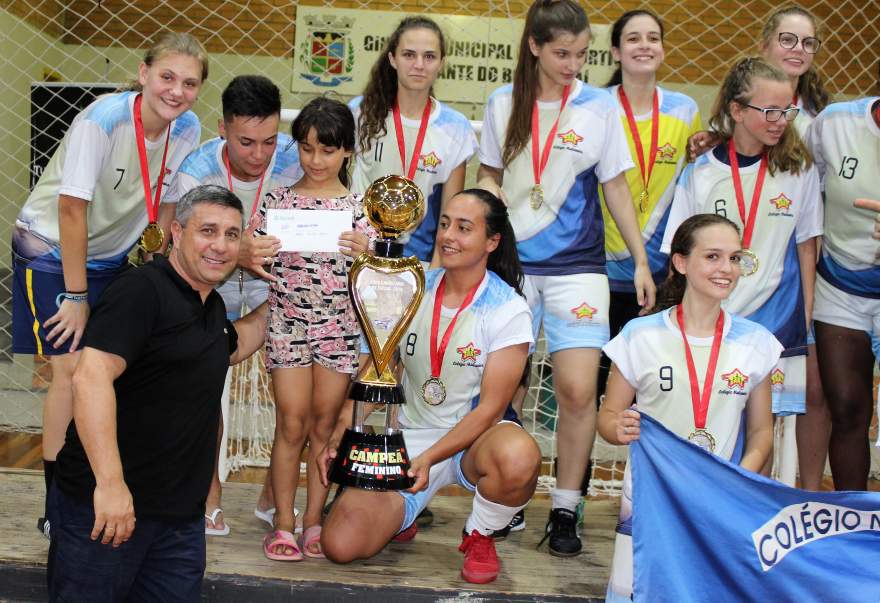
(549, 142)
(657, 123)
(468, 436)
(693, 366)
(404, 130)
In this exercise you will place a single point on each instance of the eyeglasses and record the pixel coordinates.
(772, 115)
(789, 40)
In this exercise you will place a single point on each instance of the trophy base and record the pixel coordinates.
(372, 461)
(387, 248)
(377, 393)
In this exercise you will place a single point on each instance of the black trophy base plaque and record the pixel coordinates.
(372, 461)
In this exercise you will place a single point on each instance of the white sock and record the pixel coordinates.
(565, 499)
(487, 516)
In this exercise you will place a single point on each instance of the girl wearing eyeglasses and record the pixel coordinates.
(789, 42)
(845, 141)
(761, 177)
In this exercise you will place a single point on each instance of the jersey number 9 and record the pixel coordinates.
(665, 378)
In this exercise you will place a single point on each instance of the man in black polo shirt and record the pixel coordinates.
(146, 407)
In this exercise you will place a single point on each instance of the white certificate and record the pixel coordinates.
(308, 229)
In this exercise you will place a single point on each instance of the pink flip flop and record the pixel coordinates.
(312, 537)
(281, 538)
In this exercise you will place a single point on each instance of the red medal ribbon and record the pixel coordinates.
(538, 165)
(637, 140)
(152, 204)
(229, 179)
(748, 224)
(420, 138)
(437, 353)
(699, 401)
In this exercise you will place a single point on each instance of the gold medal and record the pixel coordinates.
(152, 237)
(433, 391)
(643, 201)
(748, 262)
(536, 196)
(703, 439)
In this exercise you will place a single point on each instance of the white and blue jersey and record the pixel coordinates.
(449, 142)
(497, 317)
(566, 234)
(649, 354)
(97, 161)
(845, 142)
(206, 165)
(789, 213)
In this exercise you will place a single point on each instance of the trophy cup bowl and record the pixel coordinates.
(386, 290)
(394, 205)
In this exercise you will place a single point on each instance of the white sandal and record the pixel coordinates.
(269, 517)
(213, 519)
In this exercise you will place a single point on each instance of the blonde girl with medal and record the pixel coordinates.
(790, 41)
(404, 130)
(657, 123)
(549, 141)
(762, 178)
(312, 332)
(845, 142)
(469, 338)
(698, 369)
(97, 198)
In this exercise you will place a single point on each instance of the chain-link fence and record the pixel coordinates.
(54, 56)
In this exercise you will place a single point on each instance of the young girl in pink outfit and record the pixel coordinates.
(313, 334)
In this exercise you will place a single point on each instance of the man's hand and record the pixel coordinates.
(256, 251)
(114, 513)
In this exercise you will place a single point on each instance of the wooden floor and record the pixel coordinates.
(425, 569)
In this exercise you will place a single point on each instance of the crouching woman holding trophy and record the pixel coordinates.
(461, 358)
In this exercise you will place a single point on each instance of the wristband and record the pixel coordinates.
(78, 298)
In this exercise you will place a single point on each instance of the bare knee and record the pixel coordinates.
(519, 463)
(337, 533)
(292, 428)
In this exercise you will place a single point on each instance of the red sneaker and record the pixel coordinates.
(406, 535)
(481, 563)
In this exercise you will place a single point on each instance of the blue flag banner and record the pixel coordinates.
(705, 529)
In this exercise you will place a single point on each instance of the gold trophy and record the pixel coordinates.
(386, 289)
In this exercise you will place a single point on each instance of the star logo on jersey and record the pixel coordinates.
(736, 378)
(781, 202)
(777, 380)
(468, 352)
(584, 310)
(667, 151)
(571, 137)
(431, 160)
